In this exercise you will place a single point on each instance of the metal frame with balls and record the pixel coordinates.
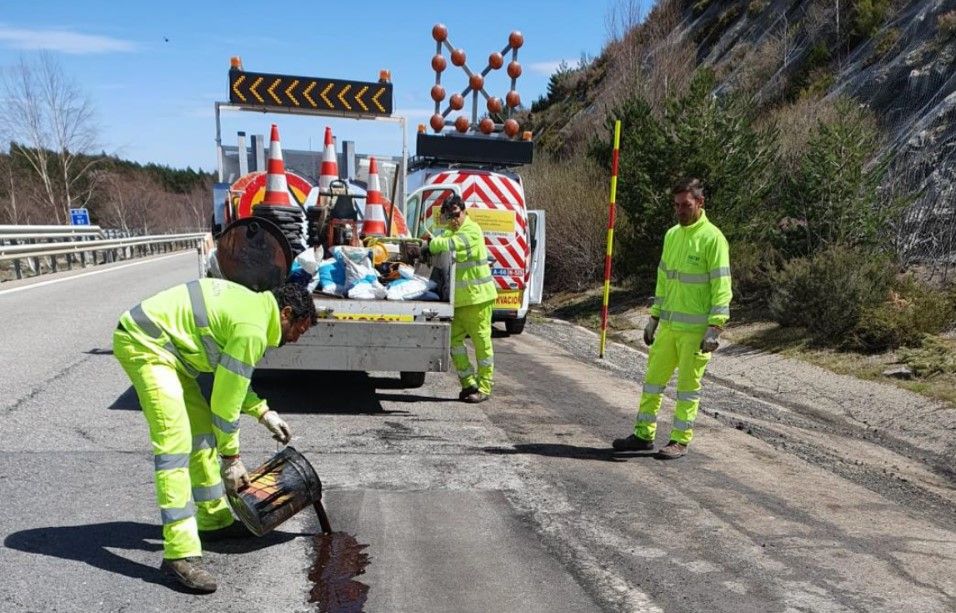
(476, 85)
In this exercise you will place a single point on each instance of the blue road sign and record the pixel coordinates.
(79, 217)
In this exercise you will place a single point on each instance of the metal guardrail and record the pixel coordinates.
(39, 245)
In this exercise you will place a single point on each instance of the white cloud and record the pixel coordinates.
(62, 40)
(549, 68)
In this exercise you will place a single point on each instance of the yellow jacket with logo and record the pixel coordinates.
(212, 325)
(473, 281)
(693, 278)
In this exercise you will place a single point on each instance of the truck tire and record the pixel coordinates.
(515, 326)
(412, 379)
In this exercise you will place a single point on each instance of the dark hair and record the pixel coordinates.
(689, 184)
(298, 298)
(451, 203)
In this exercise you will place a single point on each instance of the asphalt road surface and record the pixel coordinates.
(516, 504)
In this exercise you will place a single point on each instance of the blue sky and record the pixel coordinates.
(154, 99)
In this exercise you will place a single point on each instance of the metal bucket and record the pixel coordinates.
(279, 489)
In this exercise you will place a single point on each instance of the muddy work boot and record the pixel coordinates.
(468, 391)
(477, 397)
(632, 443)
(672, 451)
(235, 530)
(189, 572)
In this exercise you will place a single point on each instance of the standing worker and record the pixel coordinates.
(691, 305)
(475, 295)
(210, 325)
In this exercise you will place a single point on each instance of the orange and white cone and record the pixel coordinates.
(329, 168)
(374, 221)
(277, 188)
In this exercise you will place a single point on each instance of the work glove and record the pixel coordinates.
(650, 329)
(234, 474)
(710, 341)
(277, 426)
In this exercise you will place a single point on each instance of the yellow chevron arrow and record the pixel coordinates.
(375, 99)
(306, 94)
(341, 96)
(253, 87)
(272, 91)
(288, 92)
(235, 87)
(358, 97)
(326, 98)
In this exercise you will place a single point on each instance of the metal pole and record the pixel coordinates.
(610, 235)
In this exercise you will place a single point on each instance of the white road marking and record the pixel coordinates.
(92, 272)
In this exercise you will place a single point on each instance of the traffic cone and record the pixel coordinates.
(374, 220)
(277, 188)
(329, 168)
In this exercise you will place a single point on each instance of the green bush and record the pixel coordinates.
(751, 266)
(932, 358)
(868, 16)
(828, 292)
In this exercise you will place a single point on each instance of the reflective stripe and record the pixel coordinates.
(685, 318)
(467, 372)
(212, 349)
(210, 492)
(198, 303)
(204, 441)
(171, 461)
(144, 322)
(470, 282)
(680, 424)
(686, 277)
(467, 244)
(470, 264)
(229, 427)
(487, 362)
(462, 350)
(720, 310)
(236, 365)
(653, 389)
(658, 300)
(723, 271)
(172, 349)
(689, 396)
(171, 515)
(647, 418)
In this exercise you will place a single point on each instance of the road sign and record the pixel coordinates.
(79, 217)
(312, 93)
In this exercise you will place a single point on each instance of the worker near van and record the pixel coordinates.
(209, 325)
(691, 306)
(475, 295)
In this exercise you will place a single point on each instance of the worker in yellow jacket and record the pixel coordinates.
(691, 306)
(475, 295)
(209, 325)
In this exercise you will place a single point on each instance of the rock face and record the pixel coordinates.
(904, 69)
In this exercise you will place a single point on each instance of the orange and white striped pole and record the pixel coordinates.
(612, 211)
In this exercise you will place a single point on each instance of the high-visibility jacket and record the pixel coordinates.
(693, 278)
(212, 325)
(473, 281)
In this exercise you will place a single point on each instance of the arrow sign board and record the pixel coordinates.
(310, 93)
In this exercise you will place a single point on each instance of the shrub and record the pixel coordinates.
(756, 7)
(828, 292)
(947, 25)
(752, 266)
(886, 41)
(932, 358)
(868, 16)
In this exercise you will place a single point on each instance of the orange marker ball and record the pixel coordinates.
(439, 32)
(514, 70)
(486, 125)
(496, 61)
(512, 99)
(516, 39)
(511, 128)
(458, 57)
(439, 63)
(494, 105)
(462, 124)
(438, 93)
(437, 122)
(476, 81)
(457, 101)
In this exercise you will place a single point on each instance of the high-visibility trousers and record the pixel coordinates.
(473, 320)
(672, 349)
(189, 488)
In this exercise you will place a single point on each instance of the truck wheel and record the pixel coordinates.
(515, 326)
(412, 379)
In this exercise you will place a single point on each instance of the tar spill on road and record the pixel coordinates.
(339, 559)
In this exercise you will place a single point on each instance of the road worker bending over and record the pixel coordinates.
(475, 296)
(691, 304)
(217, 326)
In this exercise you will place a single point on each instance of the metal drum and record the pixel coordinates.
(279, 489)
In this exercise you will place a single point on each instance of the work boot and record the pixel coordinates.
(468, 391)
(477, 397)
(632, 443)
(672, 451)
(189, 572)
(235, 530)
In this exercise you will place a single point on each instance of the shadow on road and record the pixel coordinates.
(557, 450)
(91, 543)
